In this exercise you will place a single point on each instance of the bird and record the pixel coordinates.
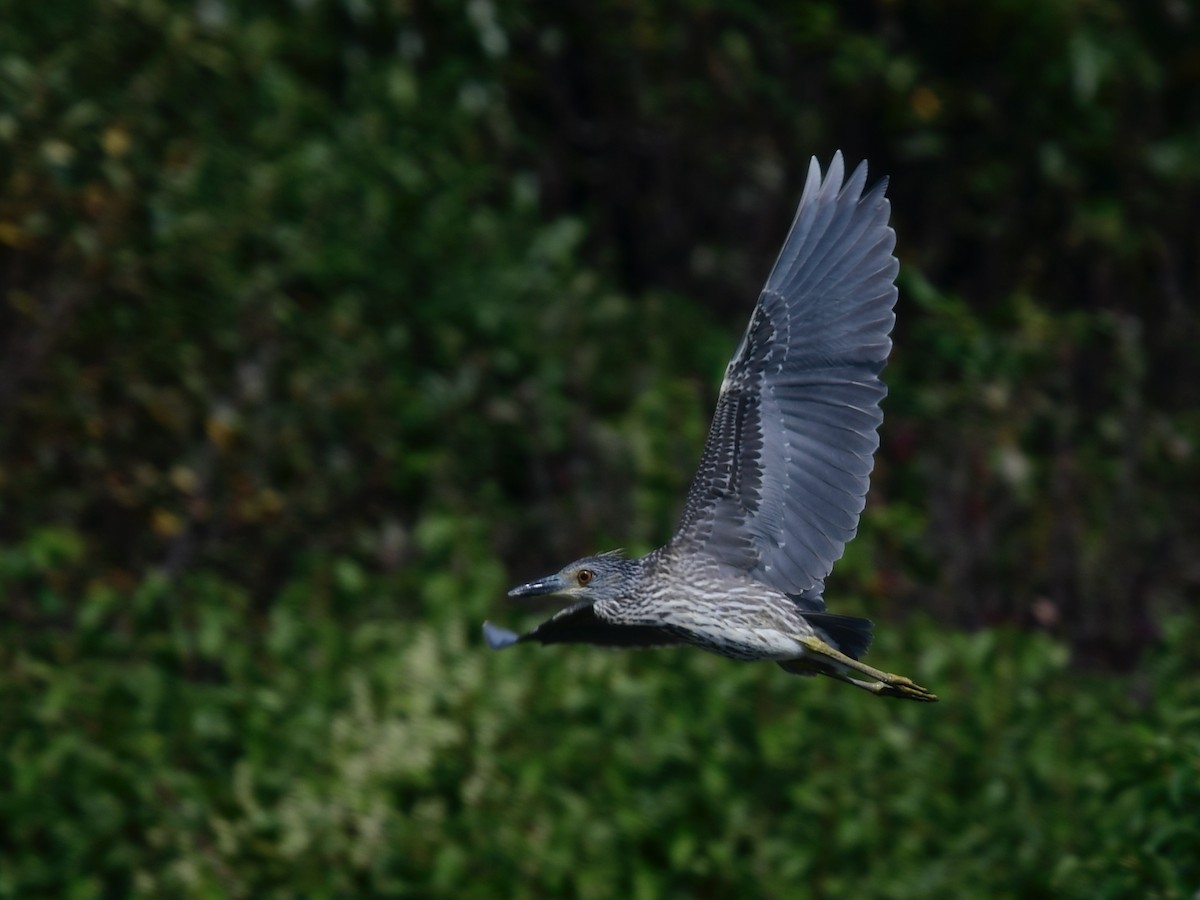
(783, 475)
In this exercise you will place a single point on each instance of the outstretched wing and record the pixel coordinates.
(579, 624)
(786, 467)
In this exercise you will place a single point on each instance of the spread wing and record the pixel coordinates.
(579, 624)
(785, 470)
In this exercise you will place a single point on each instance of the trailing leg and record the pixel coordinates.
(827, 660)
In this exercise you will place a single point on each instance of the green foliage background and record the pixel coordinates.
(323, 323)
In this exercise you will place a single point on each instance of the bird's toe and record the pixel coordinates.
(906, 689)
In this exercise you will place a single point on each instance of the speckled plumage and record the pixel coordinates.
(784, 472)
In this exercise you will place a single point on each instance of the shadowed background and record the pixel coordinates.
(324, 323)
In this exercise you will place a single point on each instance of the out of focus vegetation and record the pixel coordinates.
(322, 323)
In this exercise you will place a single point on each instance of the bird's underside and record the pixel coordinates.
(784, 473)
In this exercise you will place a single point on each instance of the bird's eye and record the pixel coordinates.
(584, 576)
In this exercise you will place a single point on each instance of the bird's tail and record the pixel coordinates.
(849, 634)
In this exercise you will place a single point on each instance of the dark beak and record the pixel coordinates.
(498, 638)
(551, 584)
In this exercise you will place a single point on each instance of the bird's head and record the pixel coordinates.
(603, 577)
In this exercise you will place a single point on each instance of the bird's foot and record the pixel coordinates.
(882, 684)
(904, 689)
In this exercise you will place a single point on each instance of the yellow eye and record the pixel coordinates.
(584, 576)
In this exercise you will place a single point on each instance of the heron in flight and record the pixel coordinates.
(784, 472)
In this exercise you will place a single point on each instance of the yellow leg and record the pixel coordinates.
(885, 684)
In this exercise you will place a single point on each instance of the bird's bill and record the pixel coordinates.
(551, 584)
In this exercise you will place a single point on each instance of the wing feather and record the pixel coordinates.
(579, 624)
(786, 467)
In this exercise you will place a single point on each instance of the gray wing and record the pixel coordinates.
(785, 471)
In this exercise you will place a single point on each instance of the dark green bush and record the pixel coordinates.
(247, 755)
